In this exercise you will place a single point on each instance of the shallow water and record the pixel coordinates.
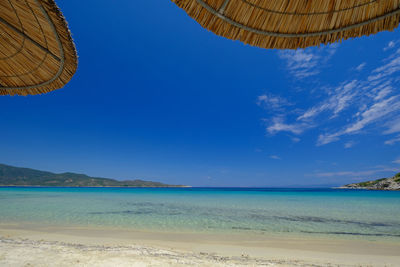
(370, 215)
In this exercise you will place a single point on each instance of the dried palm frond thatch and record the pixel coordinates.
(37, 54)
(292, 24)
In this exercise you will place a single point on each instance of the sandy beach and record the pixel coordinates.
(104, 247)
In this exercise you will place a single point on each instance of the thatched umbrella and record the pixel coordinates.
(37, 54)
(293, 23)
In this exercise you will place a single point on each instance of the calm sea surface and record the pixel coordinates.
(311, 212)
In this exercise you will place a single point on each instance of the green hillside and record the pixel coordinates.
(15, 176)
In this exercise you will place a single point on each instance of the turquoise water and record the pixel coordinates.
(311, 212)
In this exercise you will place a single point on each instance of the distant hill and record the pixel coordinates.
(392, 183)
(14, 176)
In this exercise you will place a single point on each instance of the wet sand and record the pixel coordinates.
(24, 245)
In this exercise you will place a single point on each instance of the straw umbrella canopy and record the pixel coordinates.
(292, 24)
(37, 54)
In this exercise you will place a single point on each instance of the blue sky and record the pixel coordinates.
(157, 97)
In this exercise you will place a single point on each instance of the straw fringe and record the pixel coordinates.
(282, 17)
(70, 59)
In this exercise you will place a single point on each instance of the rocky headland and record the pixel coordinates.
(392, 183)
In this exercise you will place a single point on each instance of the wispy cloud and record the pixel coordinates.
(356, 173)
(393, 141)
(278, 125)
(352, 107)
(397, 161)
(387, 69)
(324, 139)
(296, 139)
(393, 126)
(272, 102)
(338, 101)
(390, 45)
(349, 144)
(275, 157)
(361, 66)
(303, 63)
(376, 113)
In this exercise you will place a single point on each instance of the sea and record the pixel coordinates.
(332, 213)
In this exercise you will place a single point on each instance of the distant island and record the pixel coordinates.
(15, 176)
(392, 183)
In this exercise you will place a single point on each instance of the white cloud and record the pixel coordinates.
(393, 141)
(313, 112)
(303, 63)
(272, 102)
(275, 157)
(383, 93)
(376, 101)
(278, 125)
(324, 139)
(387, 69)
(349, 108)
(296, 139)
(344, 94)
(356, 173)
(337, 102)
(300, 63)
(393, 126)
(397, 161)
(390, 45)
(361, 66)
(349, 144)
(373, 114)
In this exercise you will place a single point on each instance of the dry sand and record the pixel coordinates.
(46, 246)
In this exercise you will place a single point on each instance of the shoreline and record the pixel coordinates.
(364, 189)
(171, 249)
